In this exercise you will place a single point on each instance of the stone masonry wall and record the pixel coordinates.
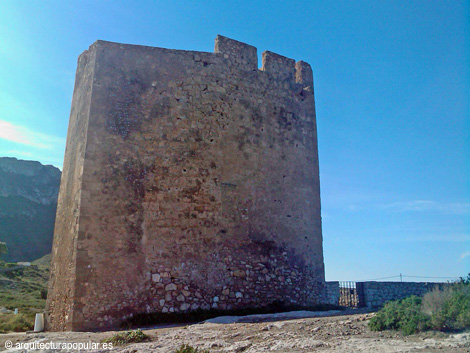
(332, 292)
(61, 293)
(377, 294)
(190, 182)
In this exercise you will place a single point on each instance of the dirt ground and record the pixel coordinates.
(342, 332)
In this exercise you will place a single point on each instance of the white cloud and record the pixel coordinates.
(427, 205)
(20, 153)
(453, 238)
(325, 215)
(354, 207)
(464, 255)
(25, 136)
(417, 205)
(420, 238)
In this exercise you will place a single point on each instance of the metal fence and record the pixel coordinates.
(351, 294)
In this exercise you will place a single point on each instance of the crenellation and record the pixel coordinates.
(242, 54)
(303, 74)
(279, 67)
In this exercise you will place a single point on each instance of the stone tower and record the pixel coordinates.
(190, 181)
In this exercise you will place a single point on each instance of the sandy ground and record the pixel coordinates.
(342, 332)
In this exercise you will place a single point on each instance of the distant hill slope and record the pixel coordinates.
(28, 202)
(44, 262)
(24, 288)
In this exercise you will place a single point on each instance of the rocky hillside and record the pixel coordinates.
(28, 202)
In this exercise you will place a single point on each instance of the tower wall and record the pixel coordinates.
(190, 182)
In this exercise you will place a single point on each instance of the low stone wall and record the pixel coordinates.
(377, 294)
(9, 269)
(332, 292)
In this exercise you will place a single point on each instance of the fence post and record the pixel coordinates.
(360, 294)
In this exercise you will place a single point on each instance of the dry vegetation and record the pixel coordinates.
(25, 289)
(445, 309)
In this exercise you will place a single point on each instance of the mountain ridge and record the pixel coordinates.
(28, 203)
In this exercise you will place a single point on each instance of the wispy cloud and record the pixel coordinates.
(427, 205)
(464, 255)
(324, 215)
(459, 239)
(25, 136)
(20, 153)
(453, 238)
(354, 207)
(424, 238)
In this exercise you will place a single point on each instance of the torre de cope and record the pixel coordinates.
(190, 182)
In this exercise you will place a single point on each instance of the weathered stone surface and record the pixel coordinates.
(197, 168)
(170, 287)
(332, 292)
(185, 306)
(180, 298)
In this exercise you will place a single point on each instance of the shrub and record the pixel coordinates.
(459, 305)
(16, 323)
(404, 315)
(464, 280)
(445, 309)
(185, 348)
(434, 300)
(121, 338)
(451, 307)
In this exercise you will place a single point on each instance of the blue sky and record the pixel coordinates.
(392, 82)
